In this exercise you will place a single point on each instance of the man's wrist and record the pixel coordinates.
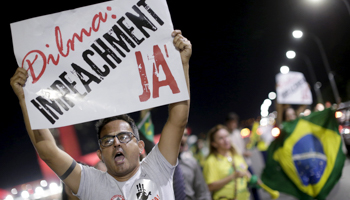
(22, 103)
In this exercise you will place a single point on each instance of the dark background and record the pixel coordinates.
(238, 48)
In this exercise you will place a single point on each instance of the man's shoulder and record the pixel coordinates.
(155, 157)
(91, 171)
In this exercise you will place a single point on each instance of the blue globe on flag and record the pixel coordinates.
(309, 159)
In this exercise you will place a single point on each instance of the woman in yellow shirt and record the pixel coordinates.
(225, 171)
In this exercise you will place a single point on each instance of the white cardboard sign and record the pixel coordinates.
(292, 88)
(98, 61)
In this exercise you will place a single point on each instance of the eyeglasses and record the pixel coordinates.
(123, 137)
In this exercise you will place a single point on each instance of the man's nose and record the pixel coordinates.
(116, 142)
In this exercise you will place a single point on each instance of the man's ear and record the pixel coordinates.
(141, 145)
(99, 154)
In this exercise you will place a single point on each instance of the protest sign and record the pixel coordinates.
(292, 88)
(98, 61)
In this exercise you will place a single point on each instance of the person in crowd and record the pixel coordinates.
(232, 124)
(225, 170)
(288, 114)
(193, 185)
(200, 150)
(120, 149)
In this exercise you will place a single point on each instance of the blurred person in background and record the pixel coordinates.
(232, 124)
(195, 186)
(225, 171)
(286, 113)
(200, 149)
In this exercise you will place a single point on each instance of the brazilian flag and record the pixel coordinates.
(146, 126)
(306, 160)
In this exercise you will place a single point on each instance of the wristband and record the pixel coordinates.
(69, 170)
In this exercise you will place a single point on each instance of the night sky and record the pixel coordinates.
(238, 48)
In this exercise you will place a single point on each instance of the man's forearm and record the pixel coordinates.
(186, 68)
(179, 111)
(42, 139)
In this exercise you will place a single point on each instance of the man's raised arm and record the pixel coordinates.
(59, 161)
(169, 143)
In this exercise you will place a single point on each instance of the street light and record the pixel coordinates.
(290, 54)
(272, 95)
(315, 1)
(299, 34)
(284, 69)
(347, 5)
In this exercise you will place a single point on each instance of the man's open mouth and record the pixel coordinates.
(119, 157)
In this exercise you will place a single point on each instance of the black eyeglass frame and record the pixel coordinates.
(131, 135)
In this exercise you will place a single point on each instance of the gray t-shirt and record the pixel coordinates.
(153, 181)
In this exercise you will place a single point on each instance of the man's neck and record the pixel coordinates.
(123, 178)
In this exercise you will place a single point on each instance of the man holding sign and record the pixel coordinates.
(120, 149)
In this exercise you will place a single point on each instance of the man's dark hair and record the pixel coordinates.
(102, 122)
(232, 116)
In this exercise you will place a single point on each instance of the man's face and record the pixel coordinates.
(121, 159)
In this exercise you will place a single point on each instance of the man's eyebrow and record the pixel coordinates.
(116, 133)
(111, 134)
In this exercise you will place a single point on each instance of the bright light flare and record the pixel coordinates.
(272, 95)
(315, 1)
(307, 112)
(264, 113)
(284, 69)
(43, 183)
(263, 122)
(9, 197)
(297, 34)
(25, 194)
(14, 191)
(39, 191)
(291, 54)
(267, 102)
(338, 114)
(345, 131)
(319, 107)
(258, 131)
(275, 132)
(245, 132)
(54, 188)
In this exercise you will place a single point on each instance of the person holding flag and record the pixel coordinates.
(306, 160)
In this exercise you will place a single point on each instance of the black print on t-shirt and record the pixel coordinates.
(141, 192)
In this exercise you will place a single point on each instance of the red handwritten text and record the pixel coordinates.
(32, 57)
